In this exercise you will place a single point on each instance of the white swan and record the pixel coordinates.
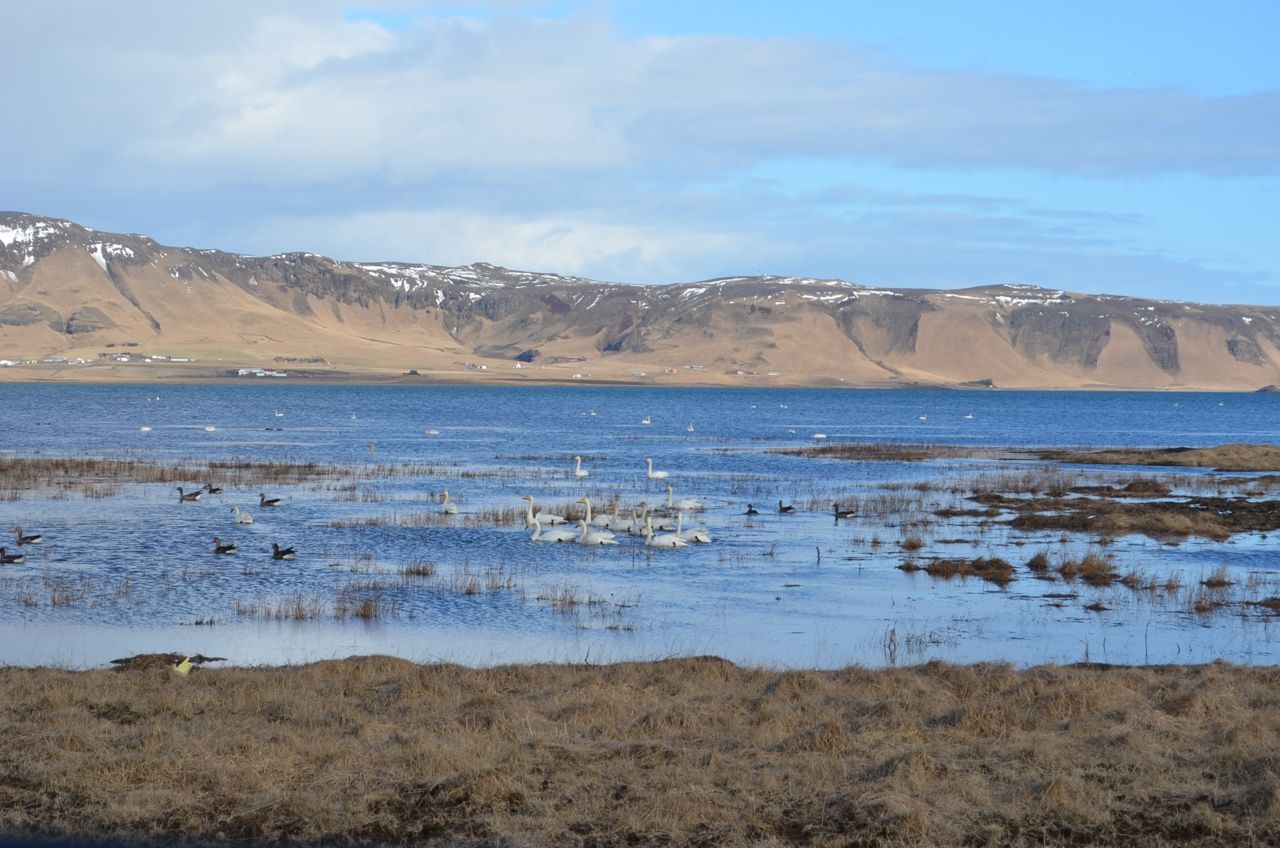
(621, 525)
(144, 429)
(587, 536)
(646, 519)
(597, 521)
(447, 508)
(969, 417)
(666, 540)
(645, 420)
(689, 428)
(555, 534)
(701, 535)
(541, 517)
(817, 437)
(654, 475)
(577, 468)
(242, 517)
(432, 431)
(211, 429)
(685, 504)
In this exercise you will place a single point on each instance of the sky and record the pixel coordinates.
(1126, 148)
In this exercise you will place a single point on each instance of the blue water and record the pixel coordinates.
(134, 570)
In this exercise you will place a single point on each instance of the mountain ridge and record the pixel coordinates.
(68, 290)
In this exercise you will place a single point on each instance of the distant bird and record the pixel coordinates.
(786, 510)
(242, 517)
(188, 497)
(654, 475)
(212, 489)
(432, 431)
(144, 429)
(219, 548)
(923, 417)
(279, 414)
(969, 417)
(263, 500)
(843, 513)
(689, 427)
(817, 437)
(447, 508)
(751, 510)
(645, 420)
(11, 559)
(278, 552)
(33, 539)
(577, 468)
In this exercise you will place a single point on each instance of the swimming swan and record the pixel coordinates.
(242, 517)
(447, 508)
(666, 540)
(587, 536)
(687, 504)
(541, 517)
(701, 535)
(555, 534)
(577, 468)
(654, 475)
(596, 521)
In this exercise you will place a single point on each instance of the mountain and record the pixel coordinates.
(69, 291)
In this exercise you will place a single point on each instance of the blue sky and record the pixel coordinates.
(1125, 148)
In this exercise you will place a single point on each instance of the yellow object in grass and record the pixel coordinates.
(184, 667)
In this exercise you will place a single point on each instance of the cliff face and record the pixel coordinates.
(66, 289)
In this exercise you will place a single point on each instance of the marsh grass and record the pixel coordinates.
(683, 752)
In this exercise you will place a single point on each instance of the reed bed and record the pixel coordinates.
(684, 752)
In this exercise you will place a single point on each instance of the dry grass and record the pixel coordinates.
(1092, 569)
(685, 752)
(882, 452)
(1233, 457)
(991, 569)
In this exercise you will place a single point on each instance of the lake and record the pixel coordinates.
(125, 568)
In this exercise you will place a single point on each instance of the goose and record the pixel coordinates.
(212, 489)
(687, 504)
(242, 517)
(666, 540)
(11, 559)
(786, 510)
(447, 508)
(541, 517)
(587, 536)
(654, 475)
(278, 552)
(33, 539)
(843, 513)
(597, 521)
(645, 420)
(577, 468)
(555, 534)
(751, 510)
(263, 500)
(188, 497)
(219, 548)
(701, 535)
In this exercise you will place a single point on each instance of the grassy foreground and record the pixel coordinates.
(682, 752)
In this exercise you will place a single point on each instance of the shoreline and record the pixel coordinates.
(34, 375)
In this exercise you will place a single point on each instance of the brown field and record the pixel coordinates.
(683, 752)
(1235, 457)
